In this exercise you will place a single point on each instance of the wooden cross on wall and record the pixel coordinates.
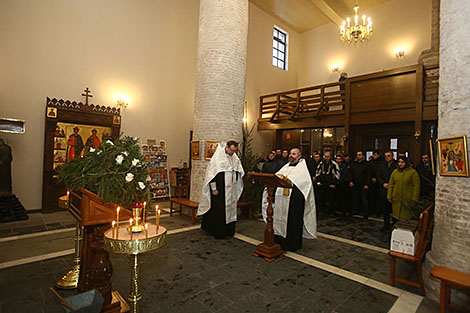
(87, 94)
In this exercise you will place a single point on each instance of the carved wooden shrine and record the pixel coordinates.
(62, 116)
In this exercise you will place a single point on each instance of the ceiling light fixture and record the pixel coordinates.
(354, 30)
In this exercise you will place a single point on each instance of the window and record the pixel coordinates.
(280, 48)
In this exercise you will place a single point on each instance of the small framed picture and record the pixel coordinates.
(116, 119)
(452, 156)
(196, 150)
(11, 125)
(211, 146)
(51, 112)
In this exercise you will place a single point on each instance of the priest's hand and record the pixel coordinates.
(215, 192)
(390, 200)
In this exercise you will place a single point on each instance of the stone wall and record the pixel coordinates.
(220, 80)
(451, 236)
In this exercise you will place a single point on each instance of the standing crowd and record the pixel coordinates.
(379, 186)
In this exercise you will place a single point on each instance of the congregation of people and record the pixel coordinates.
(346, 185)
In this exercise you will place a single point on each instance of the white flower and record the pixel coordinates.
(129, 177)
(119, 159)
(136, 138)
(92, 149)
(99, 152)
(125, 153)
(134, 162)
(110, 142)
(148, 178)
(141, 185)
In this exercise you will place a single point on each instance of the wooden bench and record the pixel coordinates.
(187, 203)
(450, 278)
(426, 220)
(193, 206)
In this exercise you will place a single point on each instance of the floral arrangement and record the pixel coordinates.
(115, 171)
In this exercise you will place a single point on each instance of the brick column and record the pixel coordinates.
(431, 56)
(451, 237)
(220, 81)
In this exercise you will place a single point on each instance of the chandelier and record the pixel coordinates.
(356, 31)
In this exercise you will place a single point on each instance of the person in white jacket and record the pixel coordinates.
(294, 209)
(223, 186)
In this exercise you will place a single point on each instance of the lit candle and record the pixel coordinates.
(113, 224)
(117, 222)
(146, 230)
(349, 22)
(364, 20)
(143, 213)
(157, 222)
(130, 222)
(68, 193)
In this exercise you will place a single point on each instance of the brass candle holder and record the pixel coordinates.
(134, 245)
(137, 224)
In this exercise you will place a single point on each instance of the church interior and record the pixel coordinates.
(163, 83)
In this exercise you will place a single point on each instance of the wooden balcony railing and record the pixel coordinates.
(316, 101)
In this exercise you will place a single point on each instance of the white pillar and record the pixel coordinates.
(451, 236)
(220, 81)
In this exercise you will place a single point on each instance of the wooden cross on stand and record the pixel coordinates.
(87, 94)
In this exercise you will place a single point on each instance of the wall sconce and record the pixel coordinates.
(417, 134)
(122, 103)
(400, 52)
(335, 68)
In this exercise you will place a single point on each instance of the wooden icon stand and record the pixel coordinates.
(268, 249)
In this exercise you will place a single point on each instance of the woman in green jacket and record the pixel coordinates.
(403, 189)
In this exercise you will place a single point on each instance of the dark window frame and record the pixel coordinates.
(279, 62)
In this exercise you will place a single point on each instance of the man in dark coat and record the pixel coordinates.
(428, 180)
(360, 182)
(327, 179)
(271, 166)
(374, 164)
(344, 192)
(383, 176)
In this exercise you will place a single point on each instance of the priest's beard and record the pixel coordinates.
(293, 161)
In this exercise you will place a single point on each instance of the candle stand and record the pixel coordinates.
(133, 244)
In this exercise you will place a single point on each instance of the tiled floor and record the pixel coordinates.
(195, 273)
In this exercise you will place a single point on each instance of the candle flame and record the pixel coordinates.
(118, 209)
(113, 223)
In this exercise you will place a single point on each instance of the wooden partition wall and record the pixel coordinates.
(404, 96)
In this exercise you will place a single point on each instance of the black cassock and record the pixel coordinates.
(213, 221)
(295, 222)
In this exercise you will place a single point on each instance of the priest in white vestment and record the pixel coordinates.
(294, 209)
(223, 186)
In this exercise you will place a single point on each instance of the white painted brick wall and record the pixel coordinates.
(451, 237)
(220, 80)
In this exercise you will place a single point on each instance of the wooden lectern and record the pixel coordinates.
(268, 249)
(96, 269)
